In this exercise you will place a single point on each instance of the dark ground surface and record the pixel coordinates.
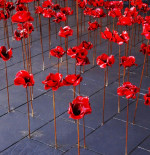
(108, 139)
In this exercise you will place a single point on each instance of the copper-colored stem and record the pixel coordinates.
(124, 74)
(79, 84)
(4, 27)
(7, 34)
(23, 55)
(94, 50)
(119, 81)
(28, 112)
(107, 77)
(134, 35)
(56, 29)
(66, 45)
(49, 28)
(104, 96)
(126, 153)
(147, 65)
(81, 27)
(58, 65)
(54, 119)
(100, 31)
(74, 92)
(138, 32)
(7, 86)
(128, 74)
(78, 137)
(77, 17)
(84, 21)
(131, 38)
(84, 132)
(139, 88)
(31, 101)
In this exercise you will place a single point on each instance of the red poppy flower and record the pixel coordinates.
(5, 15)
(128, 89)
(27, 26)
(24, 78)
(104, 60)
(147, 98)
(128, 61)
(17, 35)
(131, 12)
(57, 52)
(125, 20)
(120, 39)
(72, 79)
(56, 7)
(5, 54)
(93, 26)
(98, 13)
(53, 81)
(81, 53)
(79, 107)
(26, 1)
(9, 6)
(21, 7)
(66, 11)
(82, 61)
(86, 45)
(21, 17)
(113, 4)
(47, 4)
(39, 10)
(144, 49)
(115, 12)
(72, 51)
(107, 34)
(60, 17)
(146, 30)
(96, 3)
(88, 11)
(82, 4)
(65, 32)
(143, 7)
(136, 2)
(139, 19)
(48, 13)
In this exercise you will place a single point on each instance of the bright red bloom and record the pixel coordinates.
(86, 45)
(48, 13)
(24, 78)
(143, 7)
(82, 4)
(47, 4)
(39, 10)
(93, 26)
(65, 32)
(26, 1)
(66, 11)
(131, 12)
(21, 17)
(115, 12)
(17, 35)
(128, 89)
(146, 30)
(56, 7)
(113, 4)
(81, 53)
(5, 54)
(120, 39)
(98, 13)
(79, 107)
(72, 79)
(53, 81)
(59, 17)
(144, 49)
(5, 15)
(9, 6)
(27, 26)
(88, 11)
(82, 61)
(128, 61)
(72, 52)
(139, 19)
(104, 60)
(147, 98)
(107, 34)
(57, 52)
(96, 3)
(21, 7)
(125, 20)
(136, 2)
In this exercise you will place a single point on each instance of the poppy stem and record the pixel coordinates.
(134, 34)
(4, 32)
(25, 52)
(7, 34)
(78, 137)
(128, 73)
(126, 153)
(119, 81)
(28, 112)
(107, 77)
(31, 101)
(138, 32)
(23, 55)
(41, 38)
(124, 74)
(7, 86)
(58, 65)
(84, 21)
(100, 31)
(140, 84)
(104, 96)
(56, 29)
(77, 18)
(81, 27)
(79, 83)
(49, 28)
(131, 38)
(66, 45)
(94, 51)
(84, 132)
(147, 65)
(54, 120)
